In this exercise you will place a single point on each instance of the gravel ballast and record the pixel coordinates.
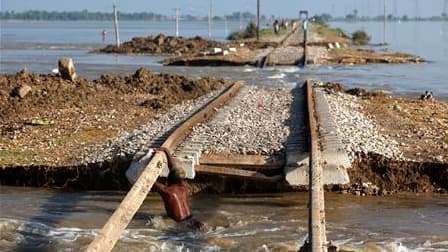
(358, 132)
(254, 122)
(128, 143)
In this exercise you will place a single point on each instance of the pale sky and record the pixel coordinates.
(287, 8)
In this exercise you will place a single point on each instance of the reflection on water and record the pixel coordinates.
(445, 38)
(64, 221)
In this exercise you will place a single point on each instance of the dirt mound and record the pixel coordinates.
(53, 119)
(51, 92)
(162, 44)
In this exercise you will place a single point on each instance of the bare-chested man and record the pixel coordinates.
(175, 196)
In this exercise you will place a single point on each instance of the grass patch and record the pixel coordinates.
(86, 135)
(445, 139)
(250, 33)
(18, 157)
(327, 32)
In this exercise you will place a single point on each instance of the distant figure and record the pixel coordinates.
(276, 26)
(294, 25)
(104, 35)
(427, 96)
(175, 196)
(283, 25)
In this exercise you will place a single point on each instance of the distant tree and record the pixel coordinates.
(350, 17)
(327, 17)
(320, 19)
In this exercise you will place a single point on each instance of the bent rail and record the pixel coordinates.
(120, 219)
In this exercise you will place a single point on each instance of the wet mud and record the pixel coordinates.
(108, 175)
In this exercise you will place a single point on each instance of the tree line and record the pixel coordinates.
(107, 16)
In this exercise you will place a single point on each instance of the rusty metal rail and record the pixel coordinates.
(316, 219)
(120, 219)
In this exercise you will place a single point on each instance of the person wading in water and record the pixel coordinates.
(175, 196)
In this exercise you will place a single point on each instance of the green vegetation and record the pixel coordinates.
(108, 16)
(249, 32)
(360, 37)
(321, 19)
(150, 16)
(445, 139)
(327, 32)
(18, 157)
(77, 15)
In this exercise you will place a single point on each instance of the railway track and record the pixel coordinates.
(287, 40)
(300, 165)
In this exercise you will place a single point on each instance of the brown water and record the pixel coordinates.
(63, 221)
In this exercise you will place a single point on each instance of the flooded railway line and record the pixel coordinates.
(224, 149)
(106, 172)
(254, 143)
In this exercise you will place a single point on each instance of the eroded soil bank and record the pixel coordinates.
(71, 116)
(374, 174)
(370, 174)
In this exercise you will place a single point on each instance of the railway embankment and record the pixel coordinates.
(83, 134)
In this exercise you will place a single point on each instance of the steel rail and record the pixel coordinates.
(122, 216)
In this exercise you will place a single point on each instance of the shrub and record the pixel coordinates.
(320, 20)
(249, 32)
(360, 37)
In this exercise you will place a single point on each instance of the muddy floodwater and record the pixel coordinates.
(64, 221)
